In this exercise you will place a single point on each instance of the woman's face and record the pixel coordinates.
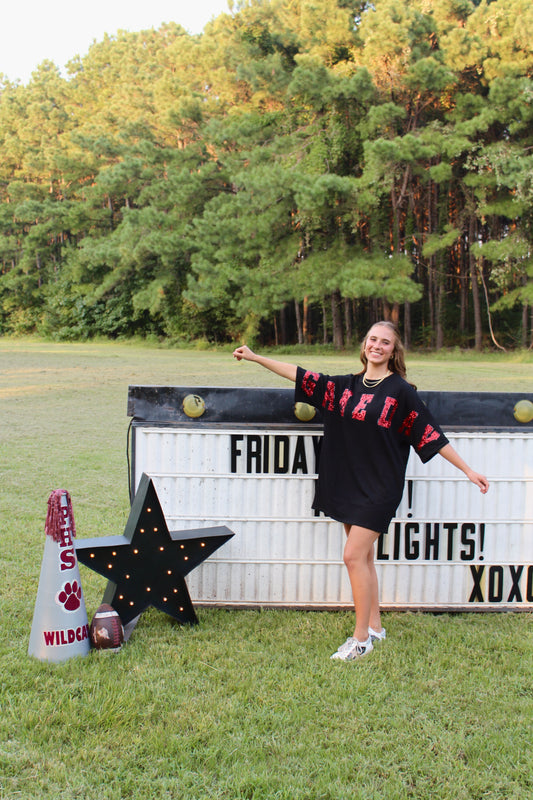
(379, 345)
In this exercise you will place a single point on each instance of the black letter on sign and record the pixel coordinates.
(466, 528)
(266, 453)
(432, 542)
(381, 554)
(450, 527)
(412, 548)
(495, 584)
(281, 455)
(397, 537)
(477, 594)
(515, 592)
(253, 453)
(300, 461)
(235, 452)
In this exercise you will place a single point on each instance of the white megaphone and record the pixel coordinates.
(60, 628)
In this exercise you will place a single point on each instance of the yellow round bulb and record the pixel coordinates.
(194, 405)
(523, 411)
(304, 412)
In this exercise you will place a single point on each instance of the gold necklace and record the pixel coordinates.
(371, 383)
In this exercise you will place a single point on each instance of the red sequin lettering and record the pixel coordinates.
(309, 382)
(344, 399)
(408, 422)
(430, 435)
(329, 396)
(359, 411)
(389, 409)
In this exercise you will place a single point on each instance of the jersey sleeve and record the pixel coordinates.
(310, 387)
(421, 429)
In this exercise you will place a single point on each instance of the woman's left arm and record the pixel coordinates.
(454, 458)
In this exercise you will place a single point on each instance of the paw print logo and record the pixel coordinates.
(70, 596)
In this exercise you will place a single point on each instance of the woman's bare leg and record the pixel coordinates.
(359, 560)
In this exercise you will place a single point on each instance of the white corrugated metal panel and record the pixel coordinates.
(448, 547)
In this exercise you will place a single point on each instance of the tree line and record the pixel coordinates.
(297, 171)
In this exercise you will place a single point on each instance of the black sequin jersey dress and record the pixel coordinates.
(368, 434)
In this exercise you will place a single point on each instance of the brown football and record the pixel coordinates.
(106, 631)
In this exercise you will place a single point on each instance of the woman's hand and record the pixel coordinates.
(243, 352)
(479, 480)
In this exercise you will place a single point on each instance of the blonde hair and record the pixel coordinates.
(397, 359)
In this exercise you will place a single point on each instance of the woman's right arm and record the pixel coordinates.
(279, 367)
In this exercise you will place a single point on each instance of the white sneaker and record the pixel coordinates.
(355, 650)
(377, 636)
(343, 648)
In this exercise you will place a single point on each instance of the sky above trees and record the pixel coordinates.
(59, 30)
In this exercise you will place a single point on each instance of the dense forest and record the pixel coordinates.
(300, 169)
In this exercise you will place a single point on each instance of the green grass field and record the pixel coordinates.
(247, 704)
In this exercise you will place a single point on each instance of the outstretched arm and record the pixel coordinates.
(279, 367)
(454, 458)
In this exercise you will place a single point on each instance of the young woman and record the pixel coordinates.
(370, 422)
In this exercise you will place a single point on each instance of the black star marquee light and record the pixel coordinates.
(148, 564)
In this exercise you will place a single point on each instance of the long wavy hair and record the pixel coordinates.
(397, 359)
